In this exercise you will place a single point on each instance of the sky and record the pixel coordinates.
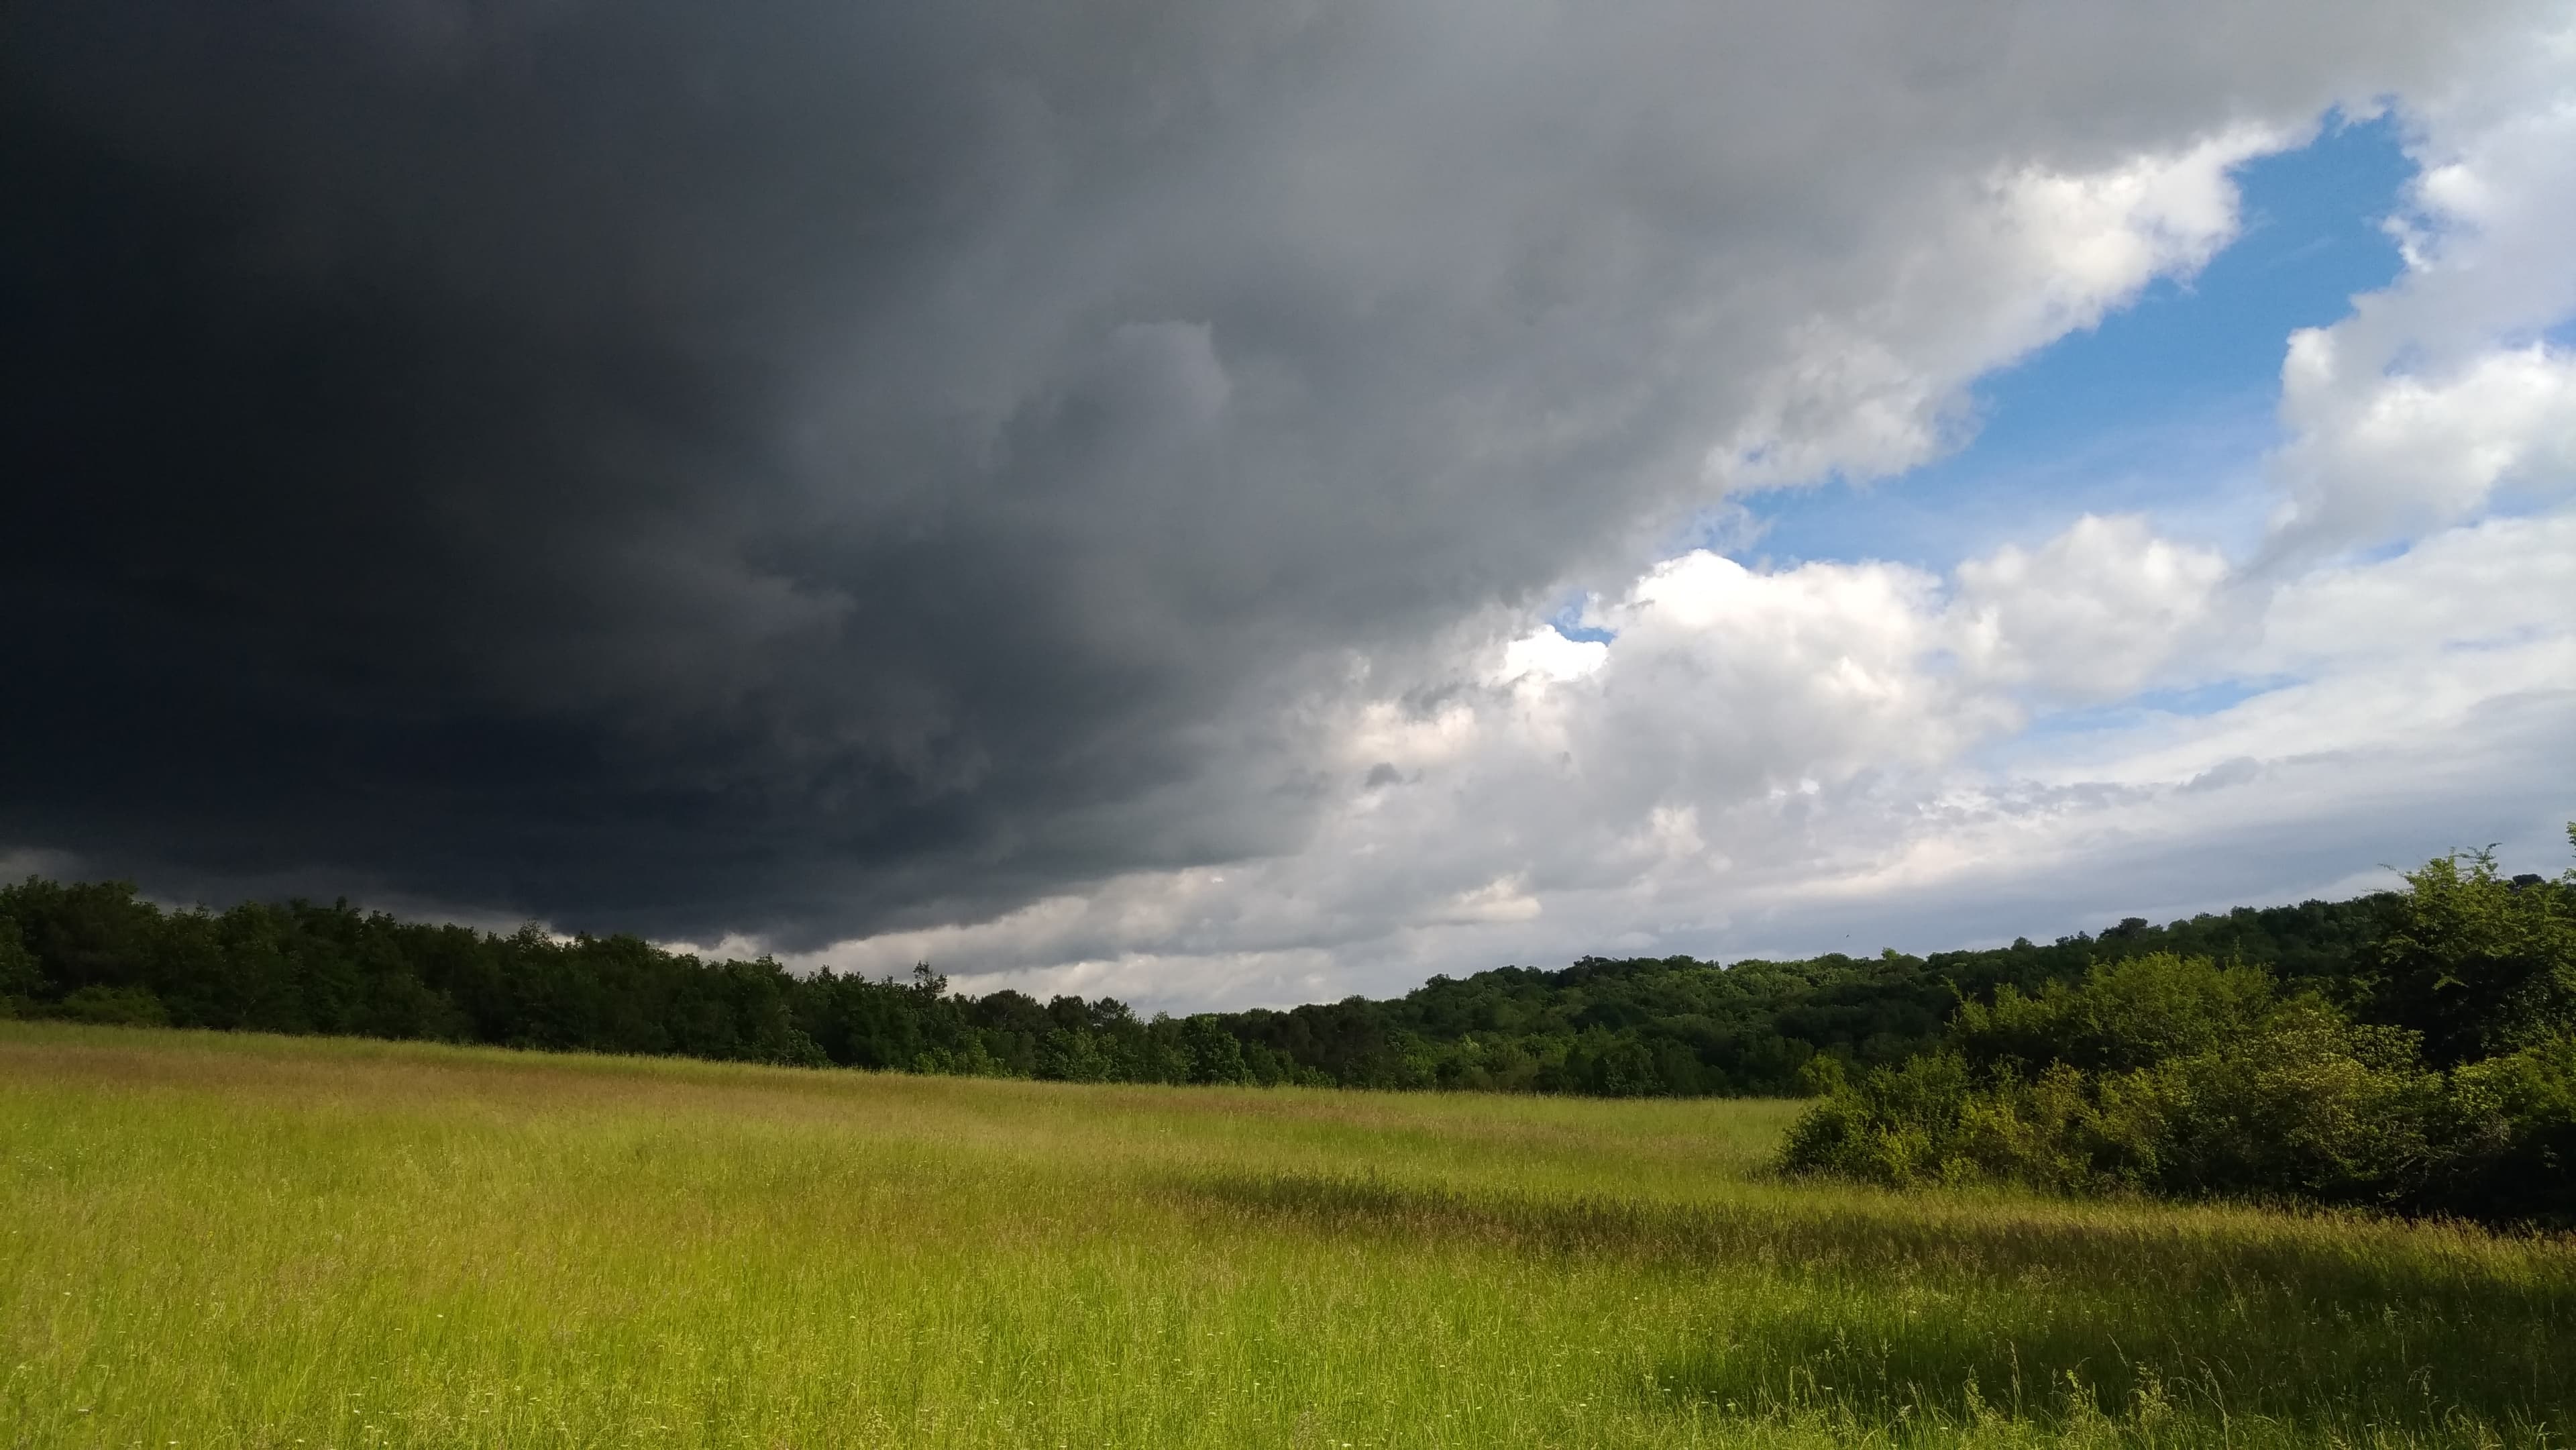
(1251, 503)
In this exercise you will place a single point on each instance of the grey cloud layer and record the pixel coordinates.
(807, 469)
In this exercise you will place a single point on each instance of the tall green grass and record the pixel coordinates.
(238, 1240)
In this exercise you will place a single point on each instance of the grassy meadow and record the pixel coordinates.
(243, 1240)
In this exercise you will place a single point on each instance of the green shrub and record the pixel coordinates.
(2159, 1074)
(2512, 1136)
(2308, 1105)
(112, 1006)
(1895, 1125)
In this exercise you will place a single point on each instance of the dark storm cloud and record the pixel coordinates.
(796, 468)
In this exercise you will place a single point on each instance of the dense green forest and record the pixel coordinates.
(1653, 1026)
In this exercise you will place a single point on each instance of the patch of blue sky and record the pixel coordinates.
(1568, 621)
(2168, 407)
(2185, 702)
(2068, 727)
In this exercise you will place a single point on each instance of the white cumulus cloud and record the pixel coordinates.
(2443, 389)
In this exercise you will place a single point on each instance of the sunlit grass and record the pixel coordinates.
(264, 1241)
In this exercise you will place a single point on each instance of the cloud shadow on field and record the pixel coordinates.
(2120, 1356)
(1887, 1312)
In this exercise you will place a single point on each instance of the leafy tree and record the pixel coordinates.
(2122, 1015)
(20, 978)
(2479, 964)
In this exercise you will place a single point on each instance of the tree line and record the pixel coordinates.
(1667, 1026)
